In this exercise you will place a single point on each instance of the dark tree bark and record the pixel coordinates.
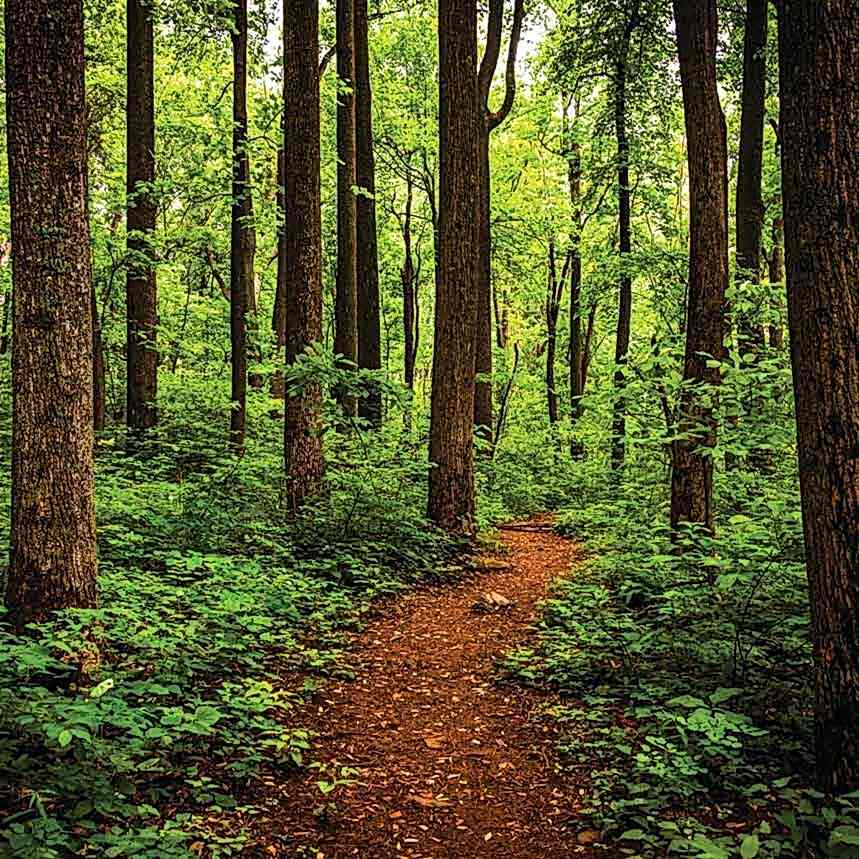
(99, 387)
(241, 240)
(490, 120)
(624, 313)
(451, 480)
(819, 68)
(346, 299)
(141, 294)
(577, 380)
(278, 316)
(692, 472)
(749, 203)
(775, 265)
(303, 455)
(407, 277)
(369, 327)
(53, 552)
(554, 294)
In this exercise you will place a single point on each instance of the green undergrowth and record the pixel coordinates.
(142, 728)
(685, 676)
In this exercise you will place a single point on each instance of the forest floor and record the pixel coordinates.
(441, 758)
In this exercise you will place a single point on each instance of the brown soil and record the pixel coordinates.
(449, 763)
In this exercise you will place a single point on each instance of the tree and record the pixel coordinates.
(53, 551)
(628, 25)
(490, 120)
(819, 83)
(749, 203)
(451, 480)
(578, 346)
(554, 294)
(141, 293)
(706, 141)
(242, 236)
(346, 299)
(369, 328)
(303, 455)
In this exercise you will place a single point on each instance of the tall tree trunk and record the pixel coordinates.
(776, 275)
(577, 381)
(99, 392)
(819, 50)
(303, 455)
(483, 345)
(369, 327)
(278, 316)
(407, 277)
(346, 299)
(241, 240)
(141, 294)
(451, 480)
(624, 313)
(749, 203)
(692, 472)
(53, 551)
(554, 293)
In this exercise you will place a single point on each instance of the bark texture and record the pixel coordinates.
(369, 325)
(819, 48)
(749, 203)
(242, 237)
(53, 551)
(692, 466)
(346, 299)
(451, 480)
(141, 294)
(577, 378)
(303, 455)
(99, 384)
(278, 316)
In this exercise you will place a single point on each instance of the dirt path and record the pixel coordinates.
(448, 763)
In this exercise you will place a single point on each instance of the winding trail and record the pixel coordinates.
(447, 762)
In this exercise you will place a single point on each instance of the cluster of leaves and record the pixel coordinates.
(141, 727)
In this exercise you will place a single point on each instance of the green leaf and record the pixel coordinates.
(64, 738)
(750, 847)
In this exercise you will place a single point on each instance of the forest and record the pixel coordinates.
(429, 429)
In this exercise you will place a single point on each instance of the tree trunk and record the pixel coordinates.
(483, 346)
(241, 240)
(369, 327)
(577, 382)
(624, 314)
(346, 303)
(141, 294)
(53, 551)
(750, 207)
(99, 392)
(554, 292)
(776, 275)
(303, 455)
(819, 50)
(749, 202)
(692, 472)
(451, 480)
(407, 277)
(278, 317)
